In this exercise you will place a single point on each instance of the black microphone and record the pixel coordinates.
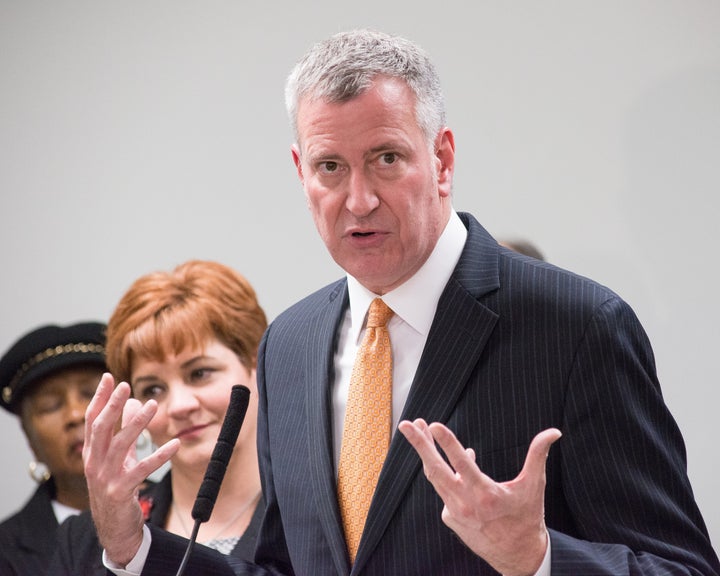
(215, 472)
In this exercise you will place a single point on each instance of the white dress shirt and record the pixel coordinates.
(414, 304)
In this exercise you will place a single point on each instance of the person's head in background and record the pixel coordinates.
(184, 338)
(523, 247)
(48, 378)
(373, 153)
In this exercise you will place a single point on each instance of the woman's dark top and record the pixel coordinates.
(79, 551)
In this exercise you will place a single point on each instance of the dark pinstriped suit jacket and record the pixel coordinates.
(516, 346)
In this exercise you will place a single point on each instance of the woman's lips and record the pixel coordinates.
(76, 447)
(191, 431)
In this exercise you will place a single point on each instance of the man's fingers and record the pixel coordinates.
(534, 466)
(413, 432)
(108, 449)
(418, 434)
(436, 469)
(142, 469)
(153, 461)
(137, 418)
(460, 458)
(423, 437)
(132, 407)
(99, 400)
(95, 406)
(102, 413)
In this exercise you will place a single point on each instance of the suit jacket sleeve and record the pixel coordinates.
(623, 469)
(167, 551)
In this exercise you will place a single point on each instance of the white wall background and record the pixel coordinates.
(135, 135)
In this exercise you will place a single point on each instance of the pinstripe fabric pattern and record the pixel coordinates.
(516, 346)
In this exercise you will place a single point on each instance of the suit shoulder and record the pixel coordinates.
(557, 296)
(523, 274)
(20, 517)
(8, 522)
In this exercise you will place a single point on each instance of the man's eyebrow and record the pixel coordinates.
(385, 146)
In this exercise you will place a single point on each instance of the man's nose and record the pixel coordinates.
(362, 198)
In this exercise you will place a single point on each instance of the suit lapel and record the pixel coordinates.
(322, 331)
(458, 335)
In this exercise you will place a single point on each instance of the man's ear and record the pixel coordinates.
(445, 160)
(297, 159)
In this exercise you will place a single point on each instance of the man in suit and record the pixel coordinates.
(500, 353)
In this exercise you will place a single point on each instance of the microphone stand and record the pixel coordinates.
(208, 492)
(189, 548)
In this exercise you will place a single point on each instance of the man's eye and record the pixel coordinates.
(329, 167)
(389, 157)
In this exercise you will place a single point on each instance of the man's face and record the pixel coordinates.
(379, 197)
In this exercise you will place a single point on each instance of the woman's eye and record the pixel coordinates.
(200, 373)
(153, 391)
(47, 404)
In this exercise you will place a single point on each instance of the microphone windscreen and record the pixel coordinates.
(208, 492)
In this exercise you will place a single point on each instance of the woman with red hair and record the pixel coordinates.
(183, 338)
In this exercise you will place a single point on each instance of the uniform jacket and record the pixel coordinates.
(516, 346)
(27, 538)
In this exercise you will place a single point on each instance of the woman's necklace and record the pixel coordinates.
(234, 519)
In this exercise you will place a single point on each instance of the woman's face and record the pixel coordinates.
(192, 390)
(53, 418)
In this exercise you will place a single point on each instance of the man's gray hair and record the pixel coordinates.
(345, 65)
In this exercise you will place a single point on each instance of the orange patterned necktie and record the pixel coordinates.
(368, 419)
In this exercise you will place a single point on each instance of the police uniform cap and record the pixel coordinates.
(44, 351)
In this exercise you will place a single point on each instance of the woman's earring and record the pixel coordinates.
(39, 472)
(144, 440)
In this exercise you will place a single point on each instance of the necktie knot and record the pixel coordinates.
(379, 314)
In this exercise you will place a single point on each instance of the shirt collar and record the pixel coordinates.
(415, 301)
(62, 511)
